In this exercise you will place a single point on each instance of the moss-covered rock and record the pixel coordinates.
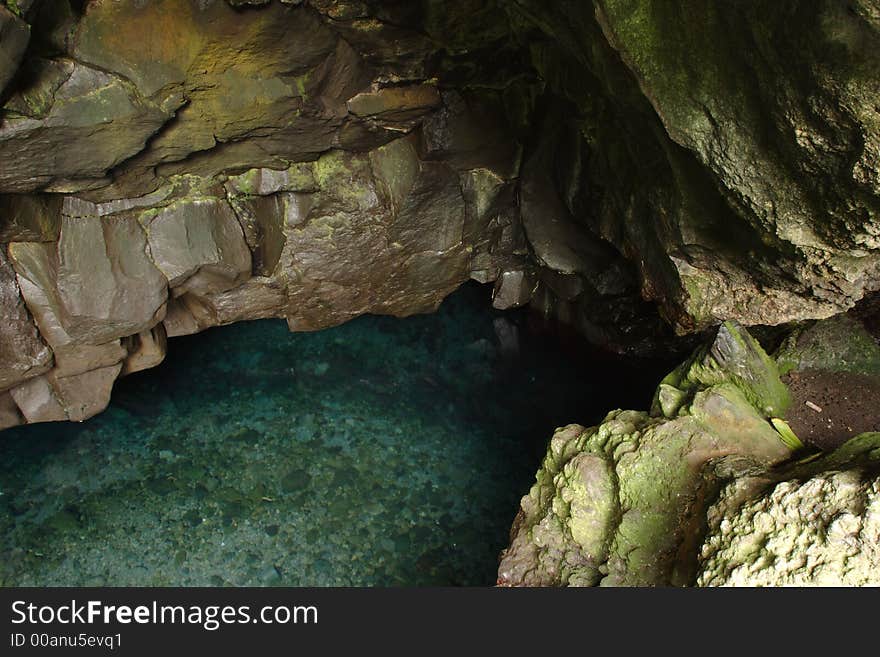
(622, 503)
(840, 344)
(734, 357)
(777, 105)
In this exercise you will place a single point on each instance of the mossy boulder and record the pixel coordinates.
(622, 503)
(734, 357)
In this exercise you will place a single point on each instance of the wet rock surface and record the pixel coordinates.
(22, 351)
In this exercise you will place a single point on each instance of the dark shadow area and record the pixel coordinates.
(381, 452)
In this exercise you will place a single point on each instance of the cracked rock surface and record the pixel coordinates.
(171, 166)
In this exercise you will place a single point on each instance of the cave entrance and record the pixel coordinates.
(381, 452)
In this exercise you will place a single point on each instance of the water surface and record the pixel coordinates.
(381, 452)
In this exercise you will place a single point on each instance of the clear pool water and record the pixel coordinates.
(382, 452)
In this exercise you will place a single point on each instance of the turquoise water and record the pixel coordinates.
(381, 452)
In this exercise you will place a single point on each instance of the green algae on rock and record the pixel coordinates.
(622, 503)
(734, 357)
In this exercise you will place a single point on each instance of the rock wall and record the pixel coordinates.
(623, 166)
(729, 150)
(171, 166)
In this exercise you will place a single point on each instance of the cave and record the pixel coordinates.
(383, 292)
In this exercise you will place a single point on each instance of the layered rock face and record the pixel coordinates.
(777, 106)
(622, 166)
(170, 166)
